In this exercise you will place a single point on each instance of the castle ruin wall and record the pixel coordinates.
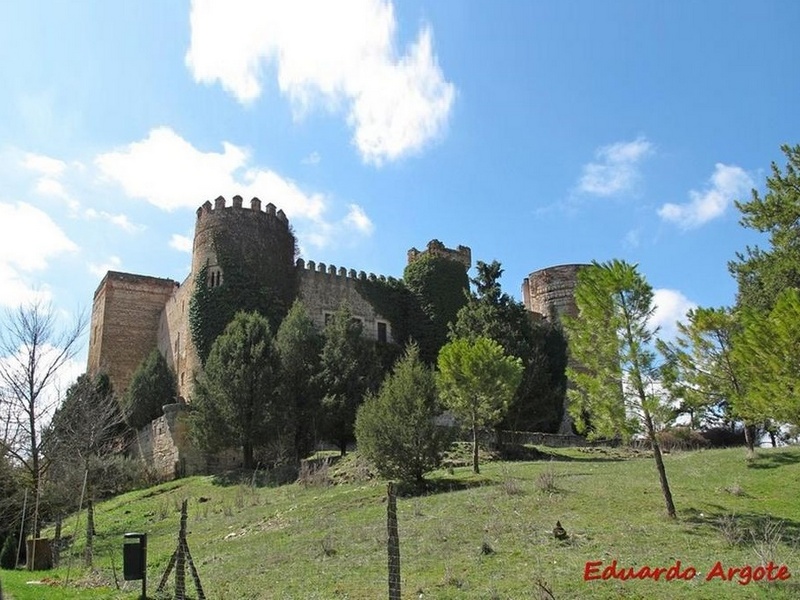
(550, 292)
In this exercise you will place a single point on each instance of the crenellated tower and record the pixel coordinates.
(461, 254)
(250, 235)
(240, 254)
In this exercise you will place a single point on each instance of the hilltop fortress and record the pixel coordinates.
(132, 314)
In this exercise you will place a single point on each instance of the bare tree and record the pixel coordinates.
(33, 350)
(86, 433)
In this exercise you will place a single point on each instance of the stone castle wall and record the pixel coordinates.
(164, 445)
(323, 288)
(125, 324)
(175, 341)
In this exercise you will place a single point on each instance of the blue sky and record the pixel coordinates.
(537, 133)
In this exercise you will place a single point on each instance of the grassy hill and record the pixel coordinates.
(487, 536)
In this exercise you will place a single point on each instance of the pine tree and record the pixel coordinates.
(476, 381)
(763, 273)
(611, 341)
(236, 402)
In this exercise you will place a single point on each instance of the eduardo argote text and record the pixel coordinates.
(743, 575)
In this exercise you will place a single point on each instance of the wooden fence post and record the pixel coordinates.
(393, 543)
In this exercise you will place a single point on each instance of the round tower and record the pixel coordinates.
(249, 236)
(550, 292)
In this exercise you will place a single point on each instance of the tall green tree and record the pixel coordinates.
(541, 346)
(702, 371)
(396, 428)
(763, 273)
(349, 369)
(299, 346)
(236, 401)
(612, 341)
(476, 381)
(768, 349)
(152, 386)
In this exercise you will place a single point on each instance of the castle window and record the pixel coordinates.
(382, 332)
(215, 278)
(328, 316)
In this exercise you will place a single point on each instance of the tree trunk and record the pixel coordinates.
(749, 434)
(662, 472)
(247, 455)
(56, 544)
(35, 466)
(475, 467)
(89, 552)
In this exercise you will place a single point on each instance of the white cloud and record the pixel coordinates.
(170, 173)
(122, 221)
(53, 393)
(28, 240)
(671, 307)
(616, 168)
(340, 55)
(50, 170)
(358, 219)
(29, 237)
(100, 269)
(726, 184)
(44, 165)
(17, 290)
(181, 243)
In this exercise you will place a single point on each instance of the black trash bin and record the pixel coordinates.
(134, 559)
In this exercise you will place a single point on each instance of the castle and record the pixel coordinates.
(132, 314)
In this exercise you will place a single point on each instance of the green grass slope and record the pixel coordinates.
(488, 537)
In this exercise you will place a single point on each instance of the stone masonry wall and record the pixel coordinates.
(164, 445)
(323, 288)
(125, 322)
(175, 339)
(551, 292)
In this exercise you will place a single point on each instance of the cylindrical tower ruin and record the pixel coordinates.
(550, 292)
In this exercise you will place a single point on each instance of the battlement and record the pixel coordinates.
(461, 254)
(316, 269)
(207, 209)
